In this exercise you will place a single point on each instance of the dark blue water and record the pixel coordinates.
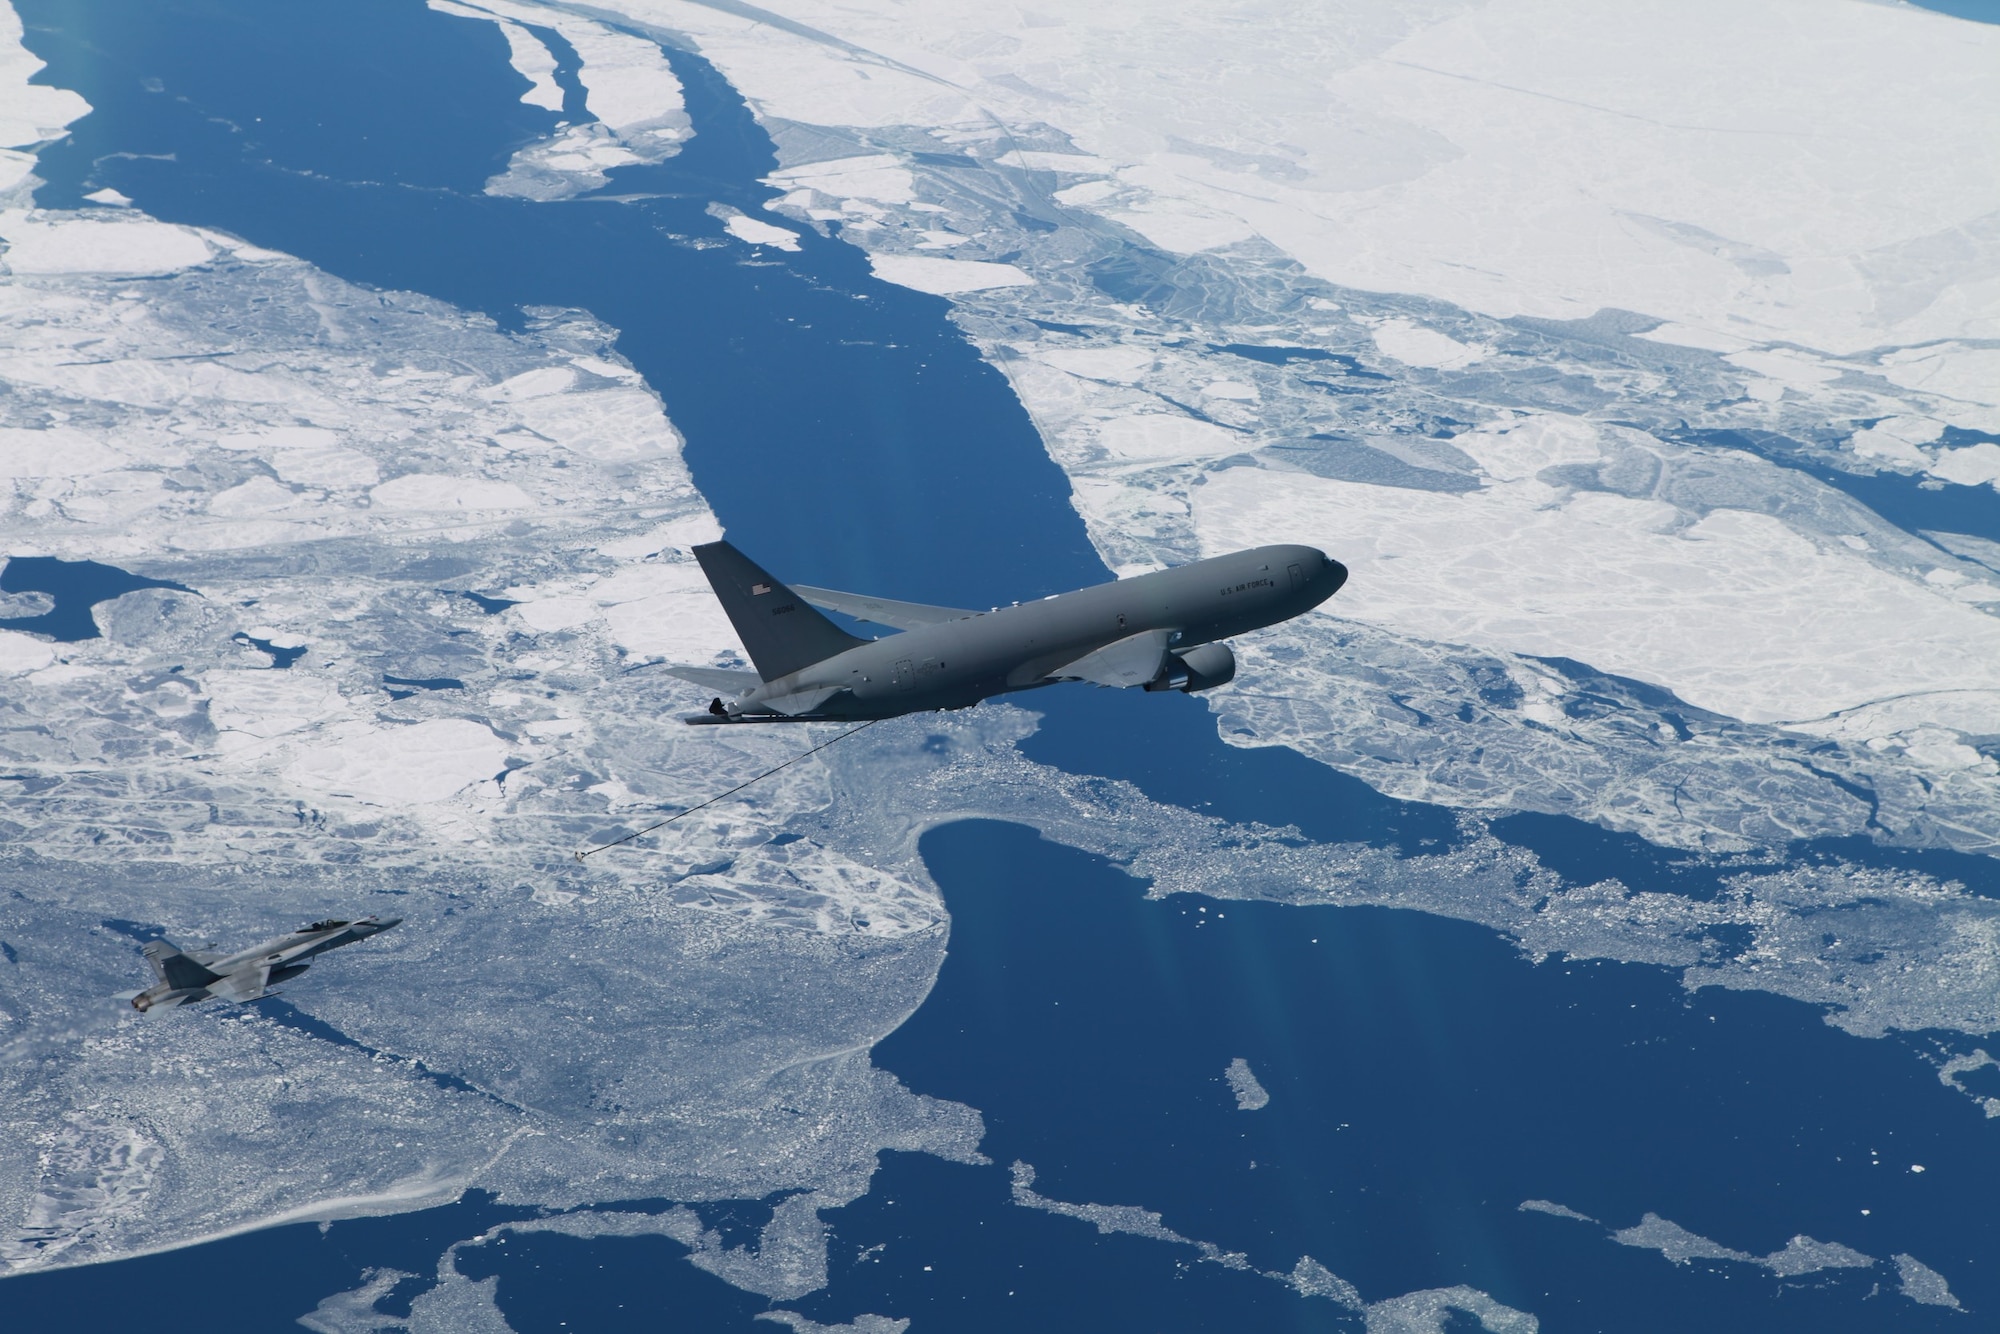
(1979, 11)
(1909, 503)
(1424, 1078)
(412, 684)
(281, 658)
(491, 606)
(77, 586)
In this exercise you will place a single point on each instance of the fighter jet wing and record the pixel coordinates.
(881, 611)
(1131, 661)
(245, 984)
(717, 678)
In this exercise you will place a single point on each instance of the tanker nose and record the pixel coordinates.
(1334, 571)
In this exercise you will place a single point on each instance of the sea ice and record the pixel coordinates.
(1921, 1283)
(397, 766)
(1644, 165)
(1730, 612)
(525, 52)
(1429, 1312)
(31, 114)
(629, 89)
(1250, 1093)
(1414, 345)
(944, 276)
(353, 1311)
(1660, 274)
(133, 248)
(176, 753)
(1555, 1210)
(1676, 1243)
(438, 491)
(761, 233)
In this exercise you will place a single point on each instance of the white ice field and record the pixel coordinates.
(1523, 274)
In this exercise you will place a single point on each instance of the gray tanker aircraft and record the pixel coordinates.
(1159, 631)
(186, 978)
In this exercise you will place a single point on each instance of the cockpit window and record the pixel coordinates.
(327, 925)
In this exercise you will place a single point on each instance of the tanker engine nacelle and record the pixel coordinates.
(1201, 668)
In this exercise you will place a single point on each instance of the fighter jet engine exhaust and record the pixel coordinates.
(1201, 668)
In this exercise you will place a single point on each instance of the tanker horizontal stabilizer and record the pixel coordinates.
(716, 678)
(1131, 661)
(804, 701)
(881, 611)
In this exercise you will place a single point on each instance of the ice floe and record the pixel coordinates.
(944, 276)
(632, 94)
(354, 1311)
(133, 248)
(749, 229)
(527, 53)
(1799, 1256)
(1251, 1095)
(1425, 1312)
(31, 114)
(1921, 1283)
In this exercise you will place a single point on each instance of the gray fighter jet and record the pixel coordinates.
(187, 978)
(1160, 631)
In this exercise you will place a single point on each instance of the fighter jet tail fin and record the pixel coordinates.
(176, 969)
(779, 629)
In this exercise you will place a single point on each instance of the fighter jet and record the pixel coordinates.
(187, 978)
(1160, 631)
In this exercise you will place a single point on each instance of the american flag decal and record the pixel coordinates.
(757, 590)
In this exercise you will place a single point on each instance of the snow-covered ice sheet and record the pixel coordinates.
(1360, 266)
(1738, 612)
(1783, 169)
(346, 466)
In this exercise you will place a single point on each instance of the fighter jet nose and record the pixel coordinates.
(1337, 572)
(388, 922)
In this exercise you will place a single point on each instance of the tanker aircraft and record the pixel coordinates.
(1159, 631)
